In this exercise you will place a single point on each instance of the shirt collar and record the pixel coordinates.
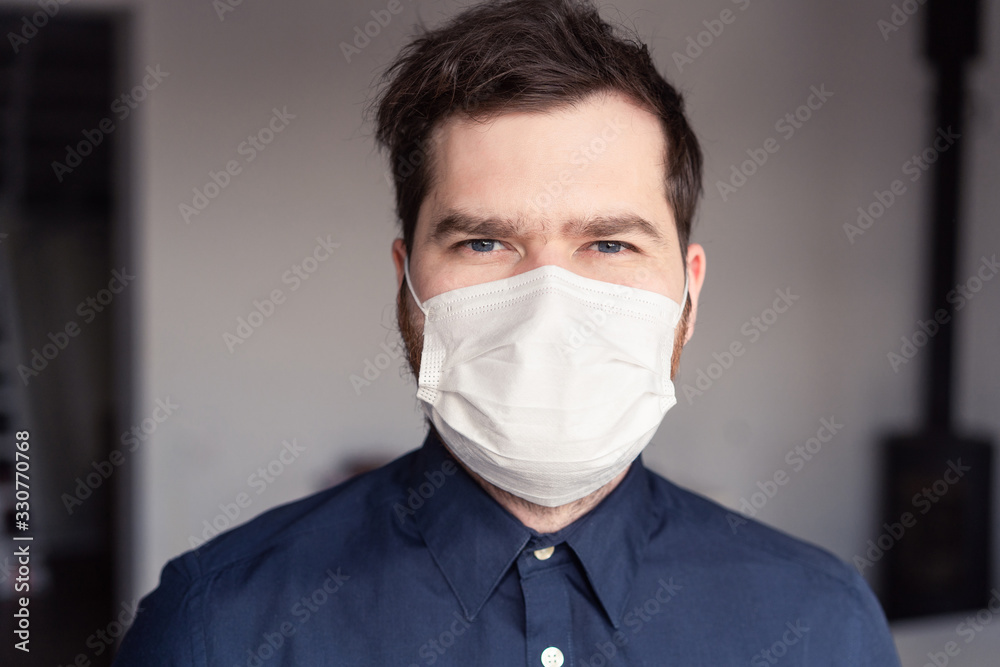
(611, 539)
(474, 540)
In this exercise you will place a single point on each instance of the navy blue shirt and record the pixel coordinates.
(415, 564)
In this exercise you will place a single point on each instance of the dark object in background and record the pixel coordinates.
(941, 562)
(937, 560)
(59, 76)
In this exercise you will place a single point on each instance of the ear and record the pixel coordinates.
(696, 278)
(398, 257)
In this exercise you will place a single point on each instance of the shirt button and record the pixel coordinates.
(545, 554)
(552, 657)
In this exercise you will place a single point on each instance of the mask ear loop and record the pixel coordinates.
(409, 283)
(684, 297)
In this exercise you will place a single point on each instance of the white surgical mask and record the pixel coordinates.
(547, 384)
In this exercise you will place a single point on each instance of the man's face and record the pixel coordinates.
(578, 187)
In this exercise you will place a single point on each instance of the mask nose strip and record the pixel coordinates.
(409, 284)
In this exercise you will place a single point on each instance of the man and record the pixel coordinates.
(546, 181)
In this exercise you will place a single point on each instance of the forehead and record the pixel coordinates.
(601, 156)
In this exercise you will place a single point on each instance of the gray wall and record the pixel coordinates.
(826, 357)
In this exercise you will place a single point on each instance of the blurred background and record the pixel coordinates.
(166, 167)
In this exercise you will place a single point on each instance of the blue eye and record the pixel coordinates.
(482, 245)
(609, 246)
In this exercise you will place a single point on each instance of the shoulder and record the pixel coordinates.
(237, 580)
(322, 520)
(762, 580)
(727, 540)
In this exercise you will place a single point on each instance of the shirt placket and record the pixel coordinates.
(548, 624)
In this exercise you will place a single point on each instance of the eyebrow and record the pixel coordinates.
(457, 223)
(608, 226)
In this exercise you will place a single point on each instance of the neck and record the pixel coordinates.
(540, 518)
(544, 519)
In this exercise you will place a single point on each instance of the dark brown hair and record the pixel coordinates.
(522, 55)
